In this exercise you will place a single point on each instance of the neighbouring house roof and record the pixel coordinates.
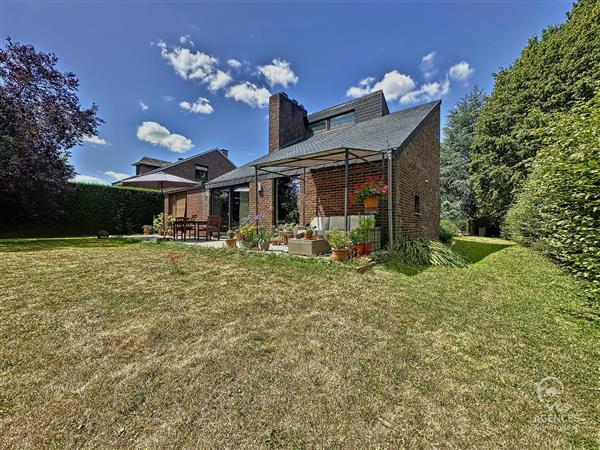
(180, 161)
(390, 131)
(152, 162)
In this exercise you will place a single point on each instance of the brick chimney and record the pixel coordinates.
(287, 121)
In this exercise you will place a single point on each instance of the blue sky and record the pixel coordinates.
(174, 79)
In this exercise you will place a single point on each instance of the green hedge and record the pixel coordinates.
(558, 211)
(87, 208)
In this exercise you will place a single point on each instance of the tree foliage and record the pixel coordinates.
(558, 210)
(40, 120)
(457, 199)
(551, 75)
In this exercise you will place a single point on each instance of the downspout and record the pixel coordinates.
(390, 204)
(256, 196)
(346, 191)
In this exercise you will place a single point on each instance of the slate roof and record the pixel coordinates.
(380, 134)
(374, 99)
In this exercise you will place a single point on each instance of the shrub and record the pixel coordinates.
(447, 230)
(338, 239)
(86, 208)
(422, 252)
(558, 210)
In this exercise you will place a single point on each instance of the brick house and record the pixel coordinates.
(327, 153)
(203, 167)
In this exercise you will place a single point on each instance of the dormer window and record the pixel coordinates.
(201, 172)
(318, 126)
(341, 120)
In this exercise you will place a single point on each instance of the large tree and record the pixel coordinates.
(458, 201)
(551, 75)
(40, 120)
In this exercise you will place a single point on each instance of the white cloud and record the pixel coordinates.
(460, 71)
(156, 134)
(427, 65)
(96, 140)
(87, 179)
(202, 106)
(234, 63)
(143, 106)
(250, 94)
(187, 64)
(168, 98)
(427, 92)
(116, 175)
(218, 80)
(393, 84)
(279, 72)
(186, 39)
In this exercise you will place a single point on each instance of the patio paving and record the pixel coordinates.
(213, 243)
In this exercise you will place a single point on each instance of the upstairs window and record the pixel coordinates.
(318, 126)
(339, 121)
(201, 172)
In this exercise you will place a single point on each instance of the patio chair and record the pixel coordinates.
(213, 225)
(180, 226)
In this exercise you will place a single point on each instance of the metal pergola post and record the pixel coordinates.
(256, 195)
(346, 191)
(304, 195)
(390, 158)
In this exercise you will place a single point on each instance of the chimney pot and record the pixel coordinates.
(225, 152)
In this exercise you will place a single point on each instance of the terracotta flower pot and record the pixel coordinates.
(367, 249)
(308, 235)
(357, 250)
(339, 254)
(230, 243)
(371, 202)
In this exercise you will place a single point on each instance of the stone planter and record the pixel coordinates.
(244, 244)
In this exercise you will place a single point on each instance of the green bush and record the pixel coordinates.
(558, 211)
(87, 208)
(423, 252)
(447, 230)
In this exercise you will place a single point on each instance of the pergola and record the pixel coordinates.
(281, 164)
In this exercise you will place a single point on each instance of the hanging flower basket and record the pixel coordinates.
(371, 202)
(370, 192)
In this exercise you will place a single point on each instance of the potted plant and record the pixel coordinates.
(308, 232)
(263, 237)
(365, 225)
(147, 229)
(159, 222)
(357, 243)
(288, 232)
(248, 234)
(340, 242)
(369, 192)
(231, 240)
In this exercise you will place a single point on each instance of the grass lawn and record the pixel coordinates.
(102, 344)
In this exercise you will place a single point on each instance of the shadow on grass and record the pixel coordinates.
(475, 250)
(391, 263)
(35, 245)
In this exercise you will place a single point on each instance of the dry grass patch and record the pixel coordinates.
(102, 344)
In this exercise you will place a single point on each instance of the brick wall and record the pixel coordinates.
(325, 192)
(417, 172)
(265, 201)
(287, 121)
(143, 168)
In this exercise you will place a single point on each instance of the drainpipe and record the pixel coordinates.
(390, 206)
(256, 195)
(346, 191)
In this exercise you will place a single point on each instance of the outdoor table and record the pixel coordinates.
(196, 224)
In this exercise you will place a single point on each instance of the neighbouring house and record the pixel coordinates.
(203, 167)
(316, 160)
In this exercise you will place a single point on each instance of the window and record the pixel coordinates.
(341, 120)
(417, 205)
(201, 172)
(318, 126)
